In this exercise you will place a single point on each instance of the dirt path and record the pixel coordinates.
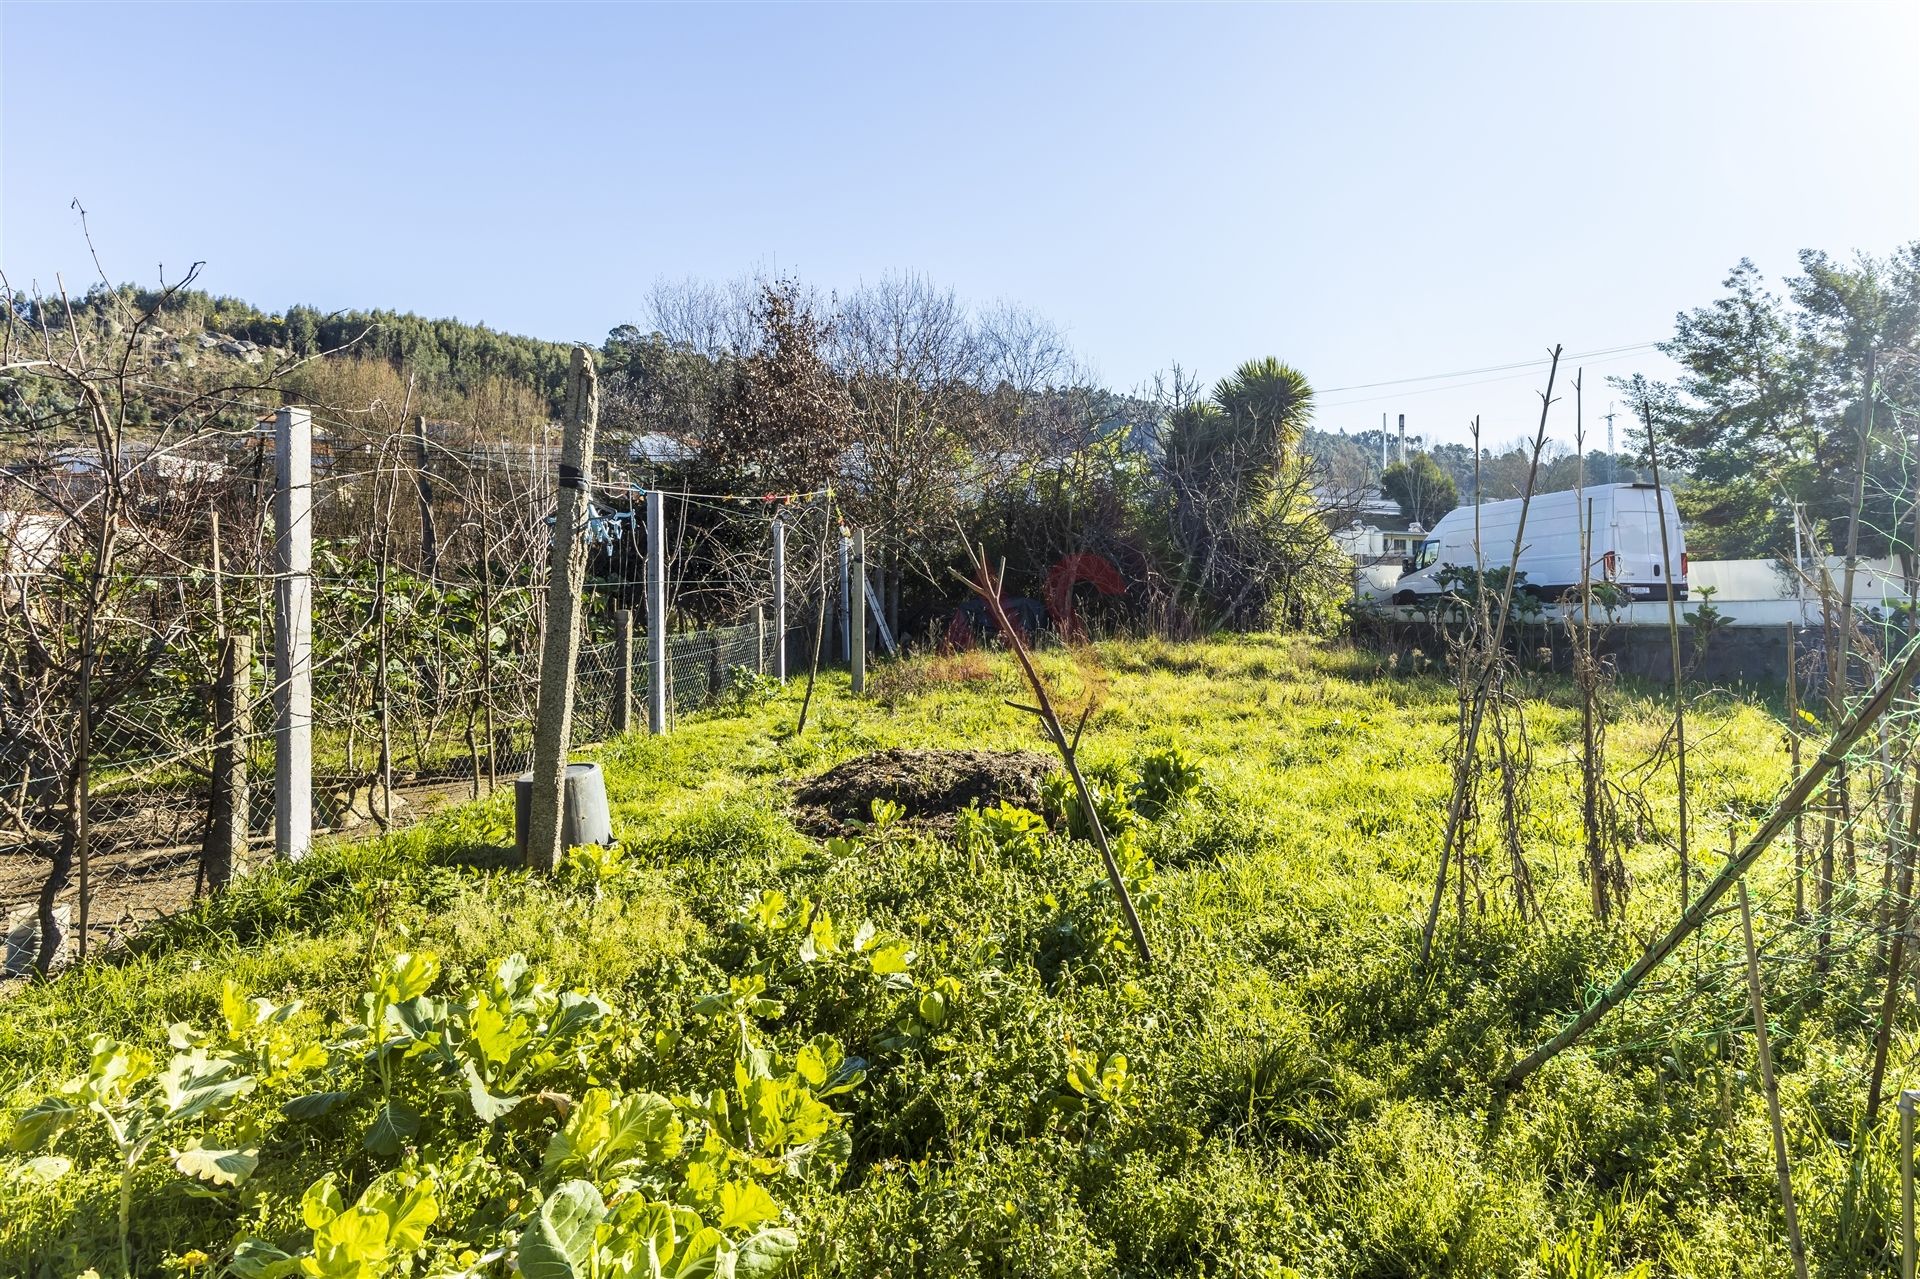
(147, 864)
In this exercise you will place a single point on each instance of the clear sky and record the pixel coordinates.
(1370, 193)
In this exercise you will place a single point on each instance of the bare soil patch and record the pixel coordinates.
(931, 785)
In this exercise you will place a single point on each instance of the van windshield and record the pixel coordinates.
(1424, 557)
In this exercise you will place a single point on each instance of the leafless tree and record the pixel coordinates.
(914, 363)
(122, 451)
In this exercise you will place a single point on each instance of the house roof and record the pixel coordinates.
(1384, 523)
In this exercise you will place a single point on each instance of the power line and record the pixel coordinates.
(1460, 386)
(1495, 368)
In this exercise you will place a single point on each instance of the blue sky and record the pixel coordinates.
(1368, 192)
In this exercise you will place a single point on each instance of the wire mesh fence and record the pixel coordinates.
(428, 601)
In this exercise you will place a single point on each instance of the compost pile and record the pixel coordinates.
(931, 785)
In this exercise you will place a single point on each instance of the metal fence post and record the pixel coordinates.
(858, 630)
(560, 645)
(656, 612)
(1907, 1100)
(623, 670)
(293, 634)
(780, 599)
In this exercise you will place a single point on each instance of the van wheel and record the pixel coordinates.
(1406, 597)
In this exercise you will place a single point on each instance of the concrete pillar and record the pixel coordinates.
(293, 634)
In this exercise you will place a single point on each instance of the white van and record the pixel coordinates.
(1625, 548)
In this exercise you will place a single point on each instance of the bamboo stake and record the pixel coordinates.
(1783, 1169)
(1897, 678)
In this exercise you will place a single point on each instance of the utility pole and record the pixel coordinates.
(560, 646)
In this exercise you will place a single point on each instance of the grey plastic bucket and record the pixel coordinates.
(583, 808)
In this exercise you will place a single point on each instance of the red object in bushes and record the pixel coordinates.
(1082, 566)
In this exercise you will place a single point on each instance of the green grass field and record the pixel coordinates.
(672, 1087)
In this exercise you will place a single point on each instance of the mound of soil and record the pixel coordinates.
(932, 785)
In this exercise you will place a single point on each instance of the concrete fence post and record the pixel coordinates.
(656, 612)
(780, 599)
(859, 595)
(293, 634)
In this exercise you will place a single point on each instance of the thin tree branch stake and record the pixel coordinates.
(1896, 949)
(1673, 639)
(988, 588)
(1463, 775)
(1783, 1169)
(1892, 684)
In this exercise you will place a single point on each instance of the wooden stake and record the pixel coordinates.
(225, 846)
(560, 645)
(623, 670)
